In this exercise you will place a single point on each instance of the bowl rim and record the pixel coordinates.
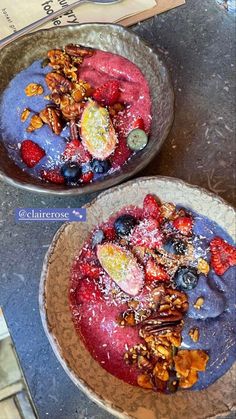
(119, 177)
(80, 383)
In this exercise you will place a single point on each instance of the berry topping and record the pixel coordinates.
(100, 166)
(124, 225)
(122, 267)
(183, 225)
(121, 153)
(53, 176)
(71, 172)
(110, 232)
(107, 94)
(139, 123)
(147, 233)
(155, 272)
(86, 177)
(151, 207)
(97, 131)
(75, 151)
(137, 139)
(186, 279)
(89, 270)
(175, 246)
(31, 153)
(223, 255)
(86, 292)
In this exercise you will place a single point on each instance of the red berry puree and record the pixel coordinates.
(143, 289)
(73, 113)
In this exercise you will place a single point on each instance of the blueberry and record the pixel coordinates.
(97, 238)
(100, 166)
(186, 278)
(176, 247)
(71, 172)
(125, 224)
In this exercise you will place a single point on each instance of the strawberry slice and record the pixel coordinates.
(86, 177)
(223, 255)
(147, 233)
(87, 291)
(155, 272)
(151, 207)
(31, 153)
(109, 232)
(122, 267)
(75, 151)
(107, 94)
(53, 176)
(138, 123)
(184, 225)
(121, 153)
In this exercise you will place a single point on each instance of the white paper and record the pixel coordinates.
(16, 14)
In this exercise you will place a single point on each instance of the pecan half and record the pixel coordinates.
(34, 89)
(51, 116)
(70, 109)
(35, 123)
(58, 83)
(79, 50)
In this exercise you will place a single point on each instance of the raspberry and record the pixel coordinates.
(53, 176)
(107, 94)
(223, 255)
(31, 153)
(151, 207)
(183, 225)
(155, 272)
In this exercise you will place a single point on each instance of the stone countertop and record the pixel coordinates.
(197, 43)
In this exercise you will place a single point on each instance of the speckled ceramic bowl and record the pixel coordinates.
(112, 38)
(119, 398)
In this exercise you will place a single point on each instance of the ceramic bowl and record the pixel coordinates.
(119, 398)
(113, 38)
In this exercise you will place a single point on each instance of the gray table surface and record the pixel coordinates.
(197, 43)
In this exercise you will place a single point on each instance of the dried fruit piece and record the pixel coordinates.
(97, 132)
(58, 83)
(223, 255)
(194, 334)
(31, 153)
(122, 267)
(155, 272)
(151, 207)
(25, 114)
(53, 176)
(34, 89)
(203, 266)
(52, 117)
(183, 225)
(108, 93)
(35, 123)
(199, 303)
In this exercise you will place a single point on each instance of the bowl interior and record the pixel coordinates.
(112, 38)
(116, 396)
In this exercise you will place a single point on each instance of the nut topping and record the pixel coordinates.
(34, 89)
(51, 116)
(79, 50)
(199, 303)
(58, 83)
(35, 123)
(25, 114)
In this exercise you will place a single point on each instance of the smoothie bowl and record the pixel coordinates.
(89, 107)
(138, 304)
